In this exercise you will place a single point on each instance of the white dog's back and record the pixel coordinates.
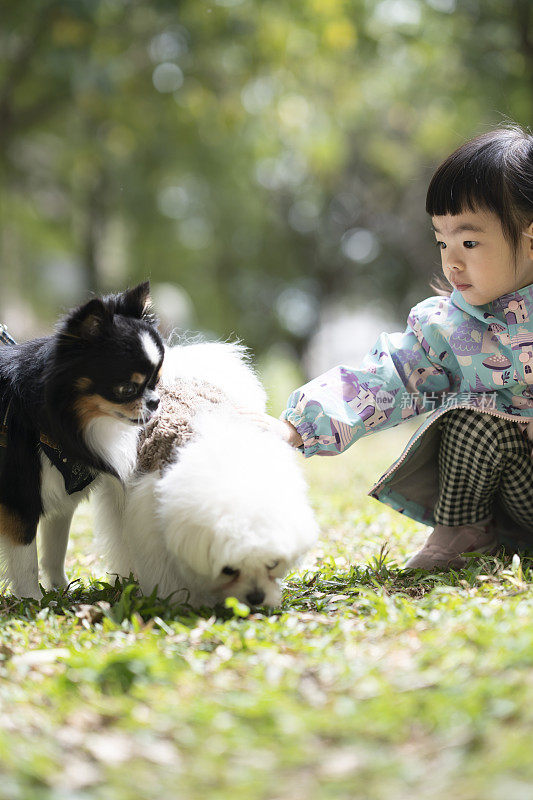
(224, 365)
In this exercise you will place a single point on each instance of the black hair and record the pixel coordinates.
(493, 172)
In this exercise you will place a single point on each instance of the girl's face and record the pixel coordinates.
(477, 258)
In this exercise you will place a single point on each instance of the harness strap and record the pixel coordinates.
(5, 338)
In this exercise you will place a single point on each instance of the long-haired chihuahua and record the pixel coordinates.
(70, 409)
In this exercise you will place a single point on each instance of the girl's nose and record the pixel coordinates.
(454, 262)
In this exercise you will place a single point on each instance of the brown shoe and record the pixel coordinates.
(445, 544)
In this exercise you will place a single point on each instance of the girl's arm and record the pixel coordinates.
(405, 374)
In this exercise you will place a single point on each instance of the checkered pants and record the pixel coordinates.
(483, 458)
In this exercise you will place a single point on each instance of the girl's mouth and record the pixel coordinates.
(462, 286)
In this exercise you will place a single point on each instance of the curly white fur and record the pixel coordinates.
(235, 498)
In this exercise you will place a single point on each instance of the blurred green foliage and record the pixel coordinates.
(268, 156)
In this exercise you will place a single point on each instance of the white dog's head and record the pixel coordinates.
(228, 558)
(235, 512)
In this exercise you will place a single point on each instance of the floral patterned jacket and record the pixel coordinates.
(450, 355)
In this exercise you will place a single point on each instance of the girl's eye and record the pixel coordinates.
(440, 245)
(126, 390)
(469, 244)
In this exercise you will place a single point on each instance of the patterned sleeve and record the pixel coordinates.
(399, 378)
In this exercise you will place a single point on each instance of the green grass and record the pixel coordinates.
(369, 681)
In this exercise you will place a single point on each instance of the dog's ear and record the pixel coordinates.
(136, 303)
(89, 321)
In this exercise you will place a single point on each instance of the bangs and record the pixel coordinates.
(468, 180)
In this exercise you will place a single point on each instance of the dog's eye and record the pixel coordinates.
(230, 571)
(126, 390)
(273, 565)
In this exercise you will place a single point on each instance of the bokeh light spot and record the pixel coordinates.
(167, 77)
(258, 94)
(446, 6)
(294, 111)
(360, 245)
(303, 215)
(397, 12)
(167, 46)
(173, 202)
(297, 310)
(196, 233)
(289, 169)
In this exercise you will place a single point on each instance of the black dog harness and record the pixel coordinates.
(75, 474)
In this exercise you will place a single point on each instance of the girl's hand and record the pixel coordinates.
(281, 427)
(288, 432)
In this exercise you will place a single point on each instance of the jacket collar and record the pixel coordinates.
(513, 308)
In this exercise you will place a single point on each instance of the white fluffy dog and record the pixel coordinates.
(229, 516)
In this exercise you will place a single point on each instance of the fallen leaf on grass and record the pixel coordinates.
(86, 719)
(311, 690)
(114, 748)
(88, 614)
(78, 773)
(340, 763)
(160, 752)
(37, 658)
(5, 652)
(110, 748)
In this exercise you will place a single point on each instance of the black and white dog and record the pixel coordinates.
(71, 405)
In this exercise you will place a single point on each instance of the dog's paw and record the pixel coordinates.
(51, 581)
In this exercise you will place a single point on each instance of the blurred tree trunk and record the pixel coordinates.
(93, 229)
(13, 119)
(524, 18)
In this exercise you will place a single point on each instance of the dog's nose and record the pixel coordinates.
(152, 401)
(255, 597)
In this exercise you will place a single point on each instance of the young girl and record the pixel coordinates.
(467, 357)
